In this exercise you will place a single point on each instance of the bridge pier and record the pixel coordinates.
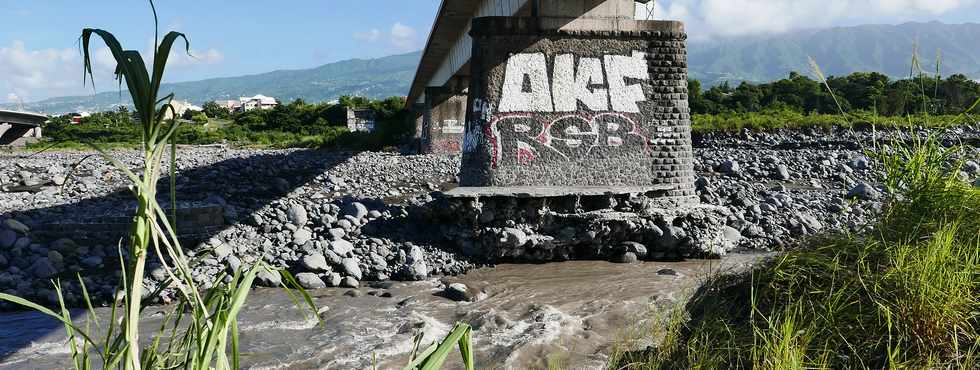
(556, 105)
(444, 116)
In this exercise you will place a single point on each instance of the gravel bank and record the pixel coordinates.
(342, 219)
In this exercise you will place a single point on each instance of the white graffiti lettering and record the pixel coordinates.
(622, 95)
(530, 68)
(577, 83)
(527, 88)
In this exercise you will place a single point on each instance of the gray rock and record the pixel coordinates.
(971, 167)
(234, 263)
(374, 214)
(859, 163)
(782, 172)
(63, 244)
(56, 258)
(22, 242)
(310, 281)
(349, 282)
(315, 262)
(159, 274)
(43, 268)
(754, 231)
(333, 258)
(513, 237)
(811, 222)
(864, 191)
(731, 236)
(222, 251)
(302, 236)
(92, 262)
(351, 268)
(636, 248)
(626, 257)
(355, 210)
(667, 272)
(459, 292)
(281, 184)
(341, 247)
(345, 224)
(269, 279)
(334, 279)
(17, 226)
(7, 238)
(730, 167)
(415, 268)
(297, 215)
(336, 233)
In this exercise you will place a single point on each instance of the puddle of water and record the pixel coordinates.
(574, 310)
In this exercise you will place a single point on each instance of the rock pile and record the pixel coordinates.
(343, 219)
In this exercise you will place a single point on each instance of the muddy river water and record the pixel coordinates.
(571, 311)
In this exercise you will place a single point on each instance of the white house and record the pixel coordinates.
(257, 102)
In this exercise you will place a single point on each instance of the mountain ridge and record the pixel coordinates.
(761, 58)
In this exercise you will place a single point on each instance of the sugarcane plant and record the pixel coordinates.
(200, 332)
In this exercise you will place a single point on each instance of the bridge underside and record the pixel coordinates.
(18, 128)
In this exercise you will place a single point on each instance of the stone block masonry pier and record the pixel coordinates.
(554, 105)
(577, 141)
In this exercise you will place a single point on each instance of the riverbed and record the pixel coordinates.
(527, 315)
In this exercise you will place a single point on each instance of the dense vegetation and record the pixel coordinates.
(797, 101)
(866, 92)
(296, 124)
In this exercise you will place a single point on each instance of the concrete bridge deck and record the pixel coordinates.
(18, 127)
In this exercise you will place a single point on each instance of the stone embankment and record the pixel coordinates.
(343, 219)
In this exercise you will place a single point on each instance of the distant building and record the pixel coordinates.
(230, 105)
(181, 107)
(257, 102)
(76, 118)
(361, 120)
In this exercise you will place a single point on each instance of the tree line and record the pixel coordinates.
(296, 123)
(861, 91)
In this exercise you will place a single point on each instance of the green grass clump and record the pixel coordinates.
(905, 295)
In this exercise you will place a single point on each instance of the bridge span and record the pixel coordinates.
(17, 128)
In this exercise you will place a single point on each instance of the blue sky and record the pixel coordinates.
(39, 56)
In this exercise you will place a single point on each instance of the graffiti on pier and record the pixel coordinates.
(599, 84)
(584, 106)
(523, 138)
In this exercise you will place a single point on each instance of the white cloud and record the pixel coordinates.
(179, 58)
(13, 98)
(707, 18)
(34, 75)
(368, 36)
(37, 74)
(403, 37)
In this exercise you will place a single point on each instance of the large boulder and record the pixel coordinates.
(315, 262)
(297, 215)
(7, 238)
(309, 280)
(351, 268)
(864, 191)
